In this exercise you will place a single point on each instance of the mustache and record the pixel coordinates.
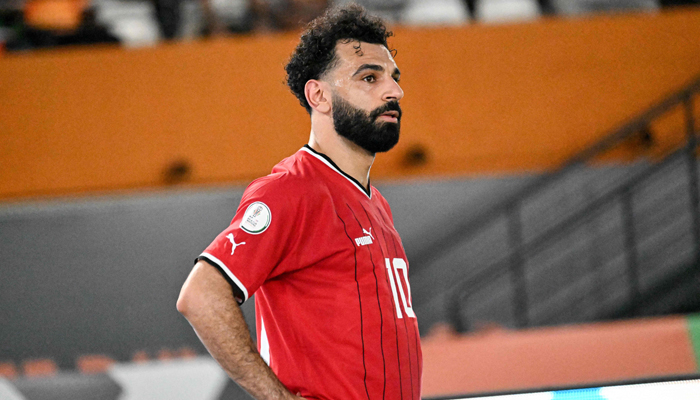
(390, 106)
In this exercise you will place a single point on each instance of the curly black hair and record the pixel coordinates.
(315, 53)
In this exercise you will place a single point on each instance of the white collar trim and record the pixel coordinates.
(339, 171)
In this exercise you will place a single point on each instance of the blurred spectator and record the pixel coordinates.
(134, 22)
(54, 15)
(234, 16)
(12, 25)
(49, 23)
(188, 19)
(416, 12)
(673, 3)
(435, 12)
(506, 10)
(390, 10)
(168, 15)
(282, 15)
(576, 7)
(27, 24)
(545, 6)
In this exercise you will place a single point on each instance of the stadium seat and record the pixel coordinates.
(8, 370)
(39, 367)
(440, 332)
(165, 355)
(94, 363)
(186, 352)
(140, 357)
(60, 15)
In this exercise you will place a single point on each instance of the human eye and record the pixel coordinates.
(369, 79)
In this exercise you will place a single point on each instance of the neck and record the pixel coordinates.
(352, 159)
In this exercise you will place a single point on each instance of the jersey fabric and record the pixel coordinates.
(330, 276)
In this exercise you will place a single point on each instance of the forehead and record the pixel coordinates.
(353, 54)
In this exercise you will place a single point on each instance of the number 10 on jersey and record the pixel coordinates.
(400, 264)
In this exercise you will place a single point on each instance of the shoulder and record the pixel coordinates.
(378, 197)
(291, 181)
(284, 196)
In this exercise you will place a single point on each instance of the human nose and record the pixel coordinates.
(393, 91)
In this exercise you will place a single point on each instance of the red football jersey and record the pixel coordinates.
(330, 277)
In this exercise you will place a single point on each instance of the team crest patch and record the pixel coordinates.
(257, 218)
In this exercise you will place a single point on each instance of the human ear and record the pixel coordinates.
(317, 96)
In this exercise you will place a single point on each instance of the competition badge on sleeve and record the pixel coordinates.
(256, 219)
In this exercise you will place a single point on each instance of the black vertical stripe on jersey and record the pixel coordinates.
(393, 310)
(405, 326)
(376, 286)
(359, 296)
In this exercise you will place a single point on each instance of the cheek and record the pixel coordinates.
(364, 96)
(343, 83)
(340, 84)
(346, 86)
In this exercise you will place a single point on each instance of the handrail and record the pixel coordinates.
(499, 269)
(567, 223)
(457, 234)
(514, 261)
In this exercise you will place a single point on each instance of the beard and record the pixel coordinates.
(363, 129)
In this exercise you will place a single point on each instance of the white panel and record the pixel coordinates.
(197, 379)
(524, 396)
(679, 390)
(688, 390)
(8, 391)
(435, 12)
(264, 344)
(506, 10)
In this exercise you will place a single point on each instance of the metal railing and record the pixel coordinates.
(513, 265)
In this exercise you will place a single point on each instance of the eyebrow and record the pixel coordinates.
(374, 67)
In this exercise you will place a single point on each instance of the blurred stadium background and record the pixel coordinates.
(545, 186)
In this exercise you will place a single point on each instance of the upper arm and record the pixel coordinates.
(256, 245)
(204, 285)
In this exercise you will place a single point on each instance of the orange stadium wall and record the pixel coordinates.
(479, 99)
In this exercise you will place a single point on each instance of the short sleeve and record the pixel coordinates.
(255, 245)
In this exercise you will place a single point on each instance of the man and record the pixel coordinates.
(316, 242)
